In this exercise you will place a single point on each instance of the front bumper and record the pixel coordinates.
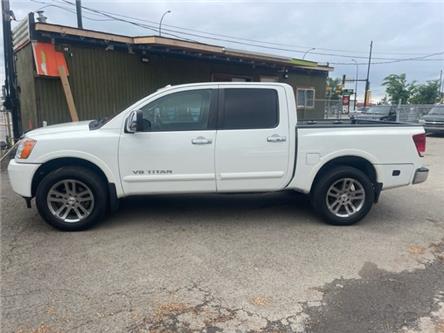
(421, 175)
(20, 177)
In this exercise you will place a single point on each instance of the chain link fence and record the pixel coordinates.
(5, 132)
(333, 109)
(412, 113)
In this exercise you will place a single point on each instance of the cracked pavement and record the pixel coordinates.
(229, 263)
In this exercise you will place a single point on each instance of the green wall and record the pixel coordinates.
(104, 82)
(309, 80)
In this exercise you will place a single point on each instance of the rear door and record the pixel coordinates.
(252, 147)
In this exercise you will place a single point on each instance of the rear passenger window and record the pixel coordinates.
(250, 108)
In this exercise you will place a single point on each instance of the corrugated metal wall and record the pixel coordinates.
(104, 82)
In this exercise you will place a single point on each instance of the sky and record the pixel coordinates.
(331, 31)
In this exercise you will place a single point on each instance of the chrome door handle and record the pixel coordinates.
(200, 140)
(276, 138)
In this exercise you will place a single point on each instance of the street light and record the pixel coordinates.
(356, 83)
(312, 49)
(160, 23)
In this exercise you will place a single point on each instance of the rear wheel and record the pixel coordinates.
(343, 195)
(71, 198)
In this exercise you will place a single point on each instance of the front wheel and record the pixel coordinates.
(343, 195)
(71, 198)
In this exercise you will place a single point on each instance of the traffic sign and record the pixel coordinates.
(347, 92)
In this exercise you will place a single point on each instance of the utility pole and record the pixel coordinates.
(79, 14)
(342, 96)
(11, 101)
(367, 82)
(440, 87)
(356, 84)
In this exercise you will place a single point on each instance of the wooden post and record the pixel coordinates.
(68, 94)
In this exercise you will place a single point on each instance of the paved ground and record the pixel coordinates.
(259, 263)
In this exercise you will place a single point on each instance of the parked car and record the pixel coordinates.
(434, 120)
(214, 138)
(379, 112)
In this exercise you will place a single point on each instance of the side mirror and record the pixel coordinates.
(134, 122)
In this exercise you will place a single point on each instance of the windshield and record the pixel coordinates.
(378, 110)
(439, 109)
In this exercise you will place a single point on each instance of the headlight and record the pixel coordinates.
(25, 148)
(422, 121)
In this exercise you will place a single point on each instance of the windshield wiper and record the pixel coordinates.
(96, 124)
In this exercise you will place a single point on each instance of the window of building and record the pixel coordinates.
(222, 77)
(181, 111)
(250, 108)
(265, 78)
(305, 98)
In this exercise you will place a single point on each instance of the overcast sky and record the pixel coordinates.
(399, 29)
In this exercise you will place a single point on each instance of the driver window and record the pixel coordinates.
(181, 111)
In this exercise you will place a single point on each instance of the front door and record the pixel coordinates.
(175, 152)
(252, 149)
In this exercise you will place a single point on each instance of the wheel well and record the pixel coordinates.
(49, 166)
(353, 161)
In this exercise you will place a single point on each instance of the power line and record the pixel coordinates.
(113, 16)
(110, 18)
(66, 9)
(238, 40)
(422, 58)
(146, 26)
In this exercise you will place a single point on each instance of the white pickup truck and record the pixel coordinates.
(214, 138)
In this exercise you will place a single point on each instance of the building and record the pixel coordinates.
(109, 72)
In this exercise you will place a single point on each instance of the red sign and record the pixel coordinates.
(48, 60)
(345, 100)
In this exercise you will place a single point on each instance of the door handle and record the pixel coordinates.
(200, 140)
(276, 138)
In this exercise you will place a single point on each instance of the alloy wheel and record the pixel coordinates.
(345, 197)
(70, 200)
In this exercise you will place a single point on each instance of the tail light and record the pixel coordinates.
(420, 143)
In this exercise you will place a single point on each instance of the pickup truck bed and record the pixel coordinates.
(350, 123)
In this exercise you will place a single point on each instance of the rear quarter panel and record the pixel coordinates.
(387, 148)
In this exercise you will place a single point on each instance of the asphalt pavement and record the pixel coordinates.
(230, 263)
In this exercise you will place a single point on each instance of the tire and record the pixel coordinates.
(82, 192)
(354, 200)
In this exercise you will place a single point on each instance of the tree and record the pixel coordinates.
(397, 88)
(426, 93)
(332, 87)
